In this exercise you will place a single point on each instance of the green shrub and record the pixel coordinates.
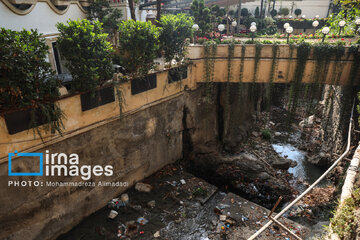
(138, 46)
(345, 222)
(266, 134)
(88, 53)
(175, 29)
(267, 42)
(26, 78)
(298, 12)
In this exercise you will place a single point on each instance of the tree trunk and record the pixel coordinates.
(261, 8)
(132, 10)
(239, 16)
(158, 11)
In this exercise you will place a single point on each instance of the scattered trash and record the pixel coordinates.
(243, 218)
(125, 197)
(136, 207)
(220, 227)
(151, 204)
(116, 203)
(222, 206)
(141, 232)
(222, 217)
(143, 187)
(113, 214)
(157, 234)
(142, 221)
(131, 229)
(182, 181)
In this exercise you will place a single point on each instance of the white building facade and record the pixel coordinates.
(309, 8)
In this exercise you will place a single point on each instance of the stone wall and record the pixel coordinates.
(136, 146)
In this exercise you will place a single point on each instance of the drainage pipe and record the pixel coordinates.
(255, 235)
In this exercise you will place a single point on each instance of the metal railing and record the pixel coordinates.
(274, 219)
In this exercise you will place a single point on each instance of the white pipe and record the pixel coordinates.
(255, 235)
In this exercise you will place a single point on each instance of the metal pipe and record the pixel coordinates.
(285, 228)
(255, 235)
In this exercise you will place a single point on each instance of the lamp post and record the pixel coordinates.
(289, 30)
(286, 25)
(221, 27)
(234, 24)
(341, 25)
(315, 24)
(253, 30)
(325, 31)
(195, 27)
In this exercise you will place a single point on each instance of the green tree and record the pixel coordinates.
(101, 10)
(27, 79)
(83, 44)
(298, 12)
(244, 12)
(257, 12)
(349, 15)
(202, 15)
(174, 30)
(138, 46)
(348, 5)
(284, 11)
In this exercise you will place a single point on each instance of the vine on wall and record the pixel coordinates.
(303, 51)
(269, 89)
(210, 49)
(241, 71)
(258, 47)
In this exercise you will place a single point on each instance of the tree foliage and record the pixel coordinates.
(244, 12)
(201, 15)
(349, 15)
(284, 11)
(174, 30)
(138, 46)
(88, 53)
(26, 78)
(101, 10)
(349, 5)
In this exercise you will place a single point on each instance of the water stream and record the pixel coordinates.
(303, 170)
